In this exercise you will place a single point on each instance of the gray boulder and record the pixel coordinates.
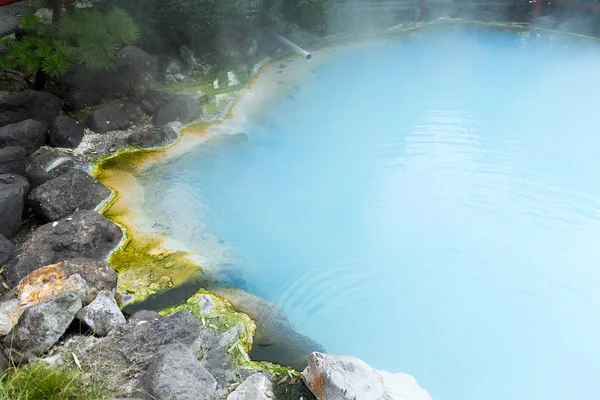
(102, 314)
(29, 134)
(65, 132)
(30, 104)
(48, 163)
(40, 327)
(13, 195)
(183, 109)
(331, 377)
(7, 250)
(12, 160)
(126, 353)
(84, 234)
(154, 137)
(256, 387)
(176, 374)
(137, 69)
(62, 196)
(108, 118)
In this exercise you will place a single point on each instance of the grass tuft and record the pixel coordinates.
(39, 382)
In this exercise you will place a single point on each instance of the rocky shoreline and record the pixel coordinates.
(60, 300)
(60, 303)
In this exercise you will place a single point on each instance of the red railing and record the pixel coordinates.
(7, 2)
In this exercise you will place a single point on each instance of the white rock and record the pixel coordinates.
(102, 314)
(255, 387)
(332, 377)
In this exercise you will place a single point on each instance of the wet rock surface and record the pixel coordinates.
(108, 118)
(69, 192)
(65, 132)
(183, 109)
(40, 327)
(143, 317)
(276, 339)
(48, 163)
(12, 160)
(30, 104)
(102, 314)
(84, 234)
(28, 134)
(13, 196)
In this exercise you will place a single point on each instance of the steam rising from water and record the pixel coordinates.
(429, 204)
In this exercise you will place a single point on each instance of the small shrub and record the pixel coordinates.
(85, 37)
(303, 15)
(38, 382)
(95, 38)
(166, 25)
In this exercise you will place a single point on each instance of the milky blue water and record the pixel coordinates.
(430, 204)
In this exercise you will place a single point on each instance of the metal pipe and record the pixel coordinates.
(293, 47)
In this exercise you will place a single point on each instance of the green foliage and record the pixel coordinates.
(39, 50)
(38, 382)
(95, 38)
(85, 37)
(168, 24)
(304, 15)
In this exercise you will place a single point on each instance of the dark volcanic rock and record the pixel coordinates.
(102, 314)
(154, 99)
(176, 374)
(135, 112)
(30, 104)
(29, 134)
(79, 100)
(84, 234)
(12, 160)
(184, 109)
(40, 327)
(62, 196)
(154, 137)
(7, 250)
(13, 194)
(48, 163)
(65, 132)
(137, 70)
(108, 118)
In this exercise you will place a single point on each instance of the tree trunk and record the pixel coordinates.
(56, 11)
(40, 80)
(70, 6)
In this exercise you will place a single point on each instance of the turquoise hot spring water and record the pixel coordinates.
(429, 203)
